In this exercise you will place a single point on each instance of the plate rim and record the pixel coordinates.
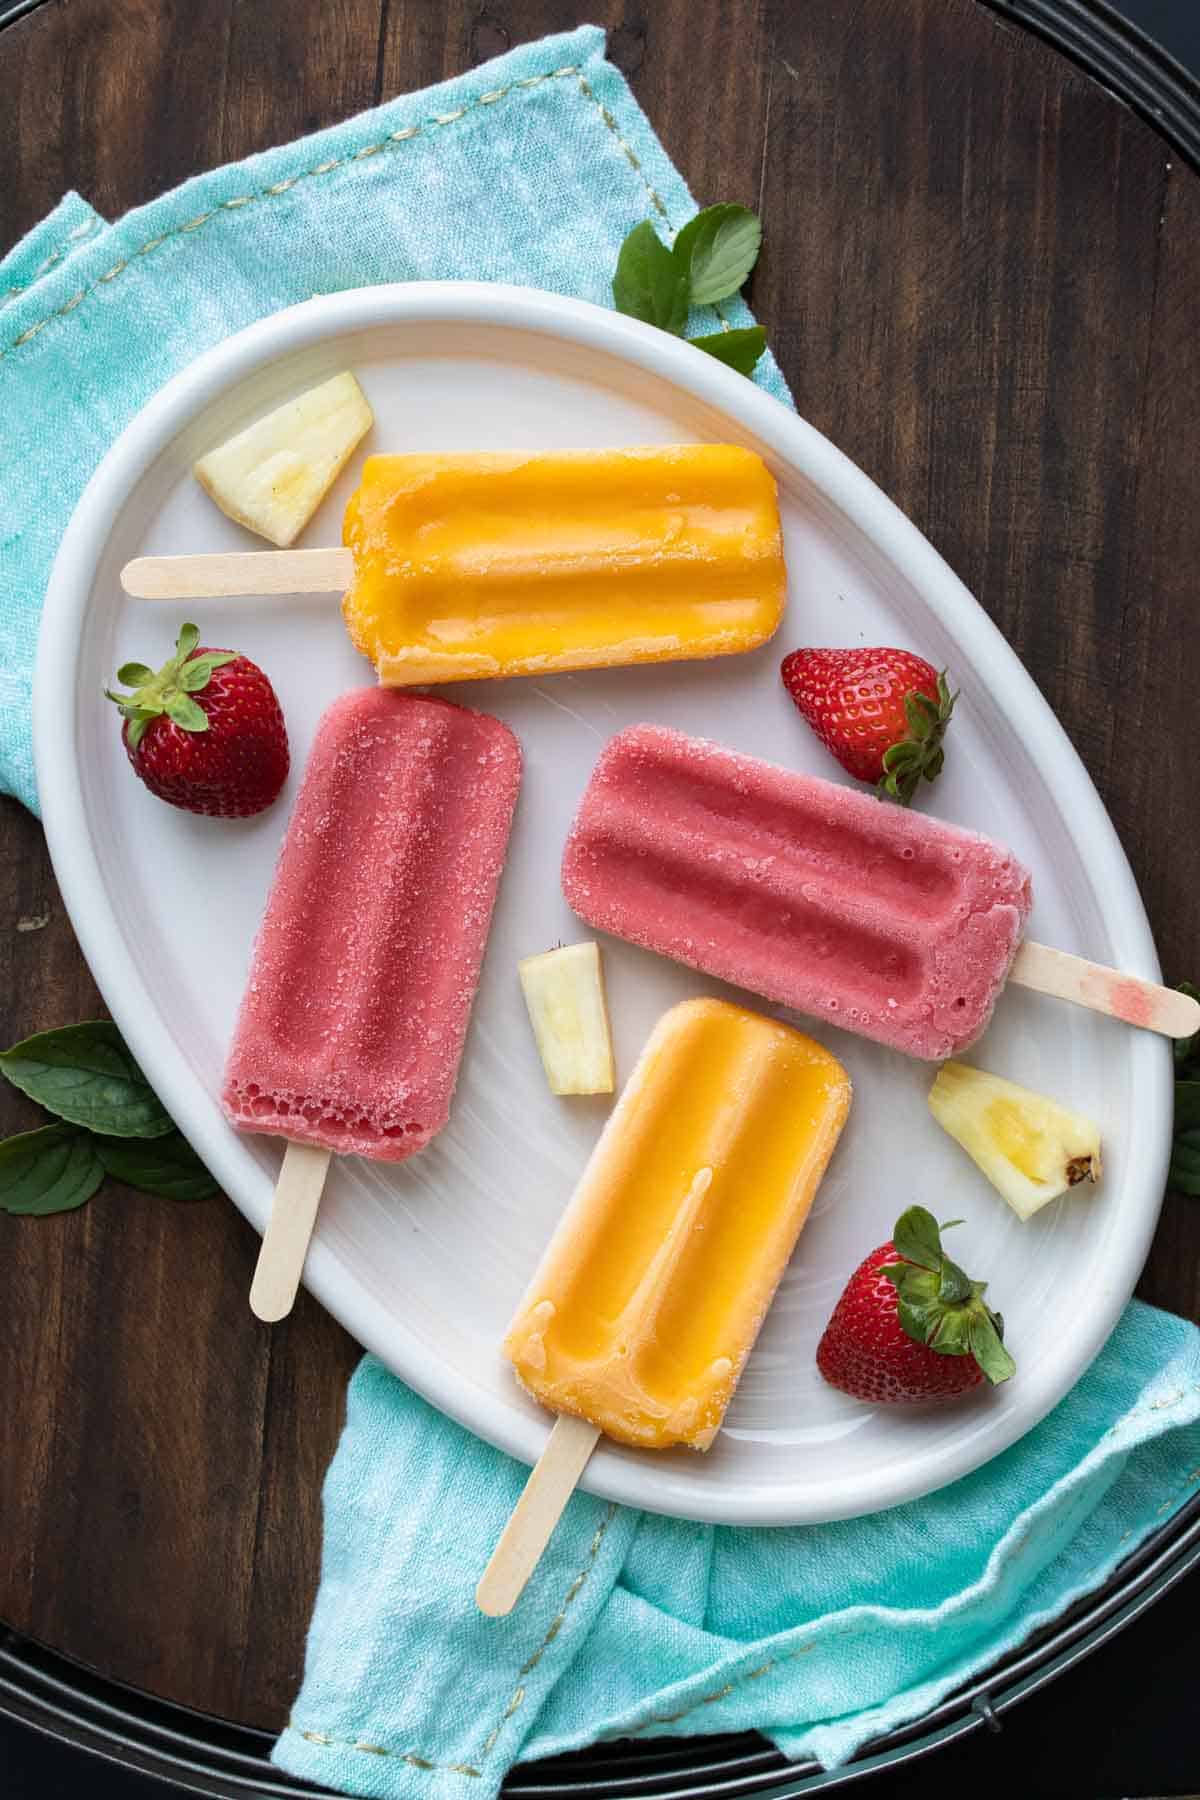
(804, 450)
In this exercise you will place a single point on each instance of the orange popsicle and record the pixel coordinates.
(652, 1290)
(468, 566)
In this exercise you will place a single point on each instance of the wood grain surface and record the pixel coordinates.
(982, 278)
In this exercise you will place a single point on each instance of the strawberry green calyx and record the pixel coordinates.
(921, 753)
(939, 1305)
(169, 691)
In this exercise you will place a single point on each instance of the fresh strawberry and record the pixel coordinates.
(910, 1325)
(206, 732)
(883, 713)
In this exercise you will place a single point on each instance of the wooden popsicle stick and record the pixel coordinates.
(285, 1241)
(535, 1515)
(1090, 984)
(218, 574)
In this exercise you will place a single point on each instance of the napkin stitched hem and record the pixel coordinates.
(326, 1741)
(273, 190)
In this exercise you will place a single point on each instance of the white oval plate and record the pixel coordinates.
(423, 1262)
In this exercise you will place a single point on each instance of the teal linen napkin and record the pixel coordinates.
(532, 170)
(640, 1626)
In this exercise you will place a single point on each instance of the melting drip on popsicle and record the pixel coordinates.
(652, 1290)
(654, 1286)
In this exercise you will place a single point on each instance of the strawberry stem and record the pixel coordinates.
(938, 1304)
(168, 690)
(921, 753)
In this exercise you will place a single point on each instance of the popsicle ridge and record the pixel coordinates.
(654, 1287)
(514, 563)
(892, 924)
(355, 1014)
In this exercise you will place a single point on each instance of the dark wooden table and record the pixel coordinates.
(982, 278)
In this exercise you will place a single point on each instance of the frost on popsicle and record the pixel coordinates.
(272, 477)
(564, 991)
(1030, 1148)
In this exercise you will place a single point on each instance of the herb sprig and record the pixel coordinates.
(111, 1122)
(708, 262)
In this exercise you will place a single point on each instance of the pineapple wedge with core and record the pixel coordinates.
(1030, 1148)
(564, 991)
(273, 476)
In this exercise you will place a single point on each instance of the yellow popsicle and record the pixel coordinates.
(519, 564)
(652, 1290)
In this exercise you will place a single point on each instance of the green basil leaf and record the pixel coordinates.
(85, 1074)
(167, 1166)
(650, 284)
(719, 247)
(739, 349)
(52, 1170)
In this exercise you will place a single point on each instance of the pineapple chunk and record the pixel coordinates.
(273, 476)
(564, 991)
(1030, 1148)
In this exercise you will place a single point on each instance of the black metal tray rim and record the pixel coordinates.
(1121, 57)
(199, 1754)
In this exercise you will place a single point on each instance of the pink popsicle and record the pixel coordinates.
(853, 910)
(366, 964)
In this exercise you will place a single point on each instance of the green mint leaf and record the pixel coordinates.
(48, 1171)
(739, 349)
(917, 1238)
(650, 283)
(987, 1349)
(183, 711)
(85, 1074)
(167, 1166)
(134, 674)
(719, 247)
